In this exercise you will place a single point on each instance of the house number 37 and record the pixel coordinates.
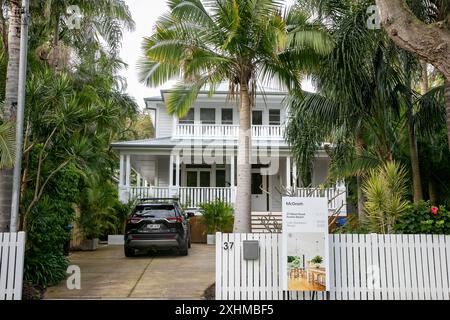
(228, 245)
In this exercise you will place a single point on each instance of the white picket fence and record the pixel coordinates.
(12, 253)
(403, 267)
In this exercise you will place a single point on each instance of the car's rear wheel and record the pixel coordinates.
(184, 250)
(129, 252)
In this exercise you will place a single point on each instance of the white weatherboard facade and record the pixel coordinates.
(195, 158)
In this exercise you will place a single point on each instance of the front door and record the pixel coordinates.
(259, 192)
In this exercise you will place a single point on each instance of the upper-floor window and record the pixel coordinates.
(227, 116)
(189, 119)
(257, 117)
(274, 117)
(208, 116)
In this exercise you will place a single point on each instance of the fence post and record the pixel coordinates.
(218, 295)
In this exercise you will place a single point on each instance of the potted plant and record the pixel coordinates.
(116, 230)
(316, 261)
(90, 229)
(217, 217)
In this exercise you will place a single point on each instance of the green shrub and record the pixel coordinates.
(419, 219)
(48, 230)
(385, 190)
(217, 216)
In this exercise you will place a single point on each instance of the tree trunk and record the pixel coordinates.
(242, 222)
(10, 107)
(447, 107)
(414, 155)
(429, 42)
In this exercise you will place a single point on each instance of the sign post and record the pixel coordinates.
(305, 244)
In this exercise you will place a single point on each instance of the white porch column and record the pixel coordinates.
(177, 176)
(288, 172)
(174, 124)
(232, 182)
(122, 170)
(128, 171)
(232, 171)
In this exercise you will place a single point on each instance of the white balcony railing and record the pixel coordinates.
(190, 197)
(230, 132)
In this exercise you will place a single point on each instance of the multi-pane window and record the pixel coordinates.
(208, 116)
(220, 179)
(274, 117)
(189, 119)
(257, 117)
(227, 116)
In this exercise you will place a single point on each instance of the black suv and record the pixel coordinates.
(157, 224)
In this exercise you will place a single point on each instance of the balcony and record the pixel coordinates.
(227, 132)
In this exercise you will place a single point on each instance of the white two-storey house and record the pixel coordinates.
(194, 158)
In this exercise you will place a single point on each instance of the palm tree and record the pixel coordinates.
(237, 41)
(9, 109)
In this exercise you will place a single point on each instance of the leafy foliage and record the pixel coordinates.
(217, 216)
(419, 219)
(204, 43)
(49, 229)
(7, 146)
(385, 189)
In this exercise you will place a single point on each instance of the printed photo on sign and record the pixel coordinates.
(306, 261)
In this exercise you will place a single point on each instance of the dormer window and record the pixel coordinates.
(189, 119)
(274, 117)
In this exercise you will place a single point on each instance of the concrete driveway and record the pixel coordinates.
(107, 274)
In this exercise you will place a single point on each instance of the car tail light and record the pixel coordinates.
(175, 219)
(134, 220)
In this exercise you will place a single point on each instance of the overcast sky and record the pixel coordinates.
(145, 14)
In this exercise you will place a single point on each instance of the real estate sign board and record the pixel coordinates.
(305, 244)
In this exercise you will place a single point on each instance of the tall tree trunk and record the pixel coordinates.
(10, 107)
(414, 155)
(242, 222)
(412, 141)
(447, 107)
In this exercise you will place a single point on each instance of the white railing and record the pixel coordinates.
(268, 132)
(147, 192)
(191, 197)
(361, 267)
(231, 132)
(12, 253)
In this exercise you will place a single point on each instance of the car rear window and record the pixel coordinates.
(156, 211)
